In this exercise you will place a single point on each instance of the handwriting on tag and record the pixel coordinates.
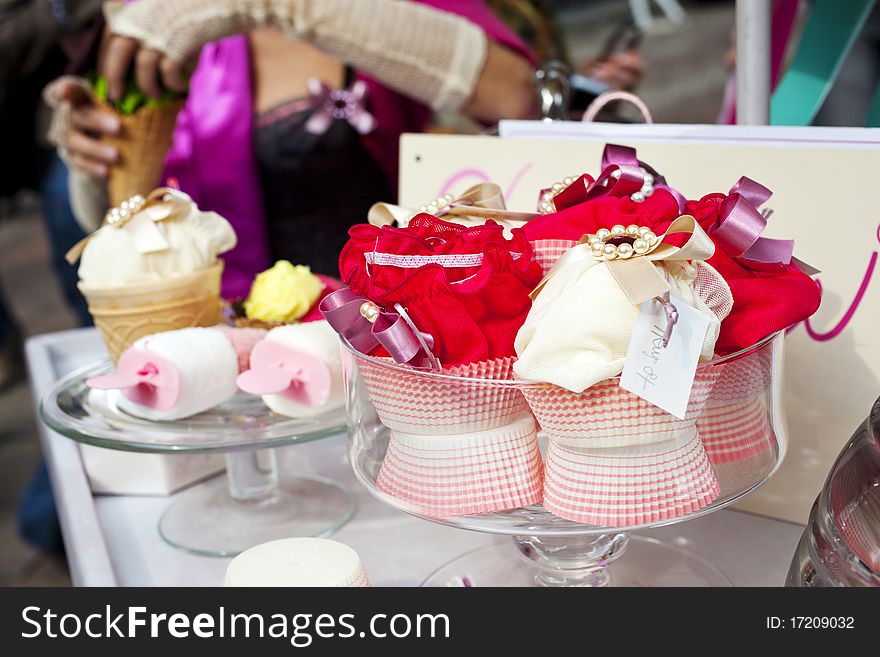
(662, 375)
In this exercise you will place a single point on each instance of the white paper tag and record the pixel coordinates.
(664, 376)
(146, 235)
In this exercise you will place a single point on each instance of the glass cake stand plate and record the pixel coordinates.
(741, 428)
(648, 562)
(252, 503)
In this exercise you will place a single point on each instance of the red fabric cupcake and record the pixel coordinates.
(466, 286)
(578, 220)
(766, 297)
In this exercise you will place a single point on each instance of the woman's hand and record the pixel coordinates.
(161, 41)
(154, 71)
(87, 124)
(622, 70)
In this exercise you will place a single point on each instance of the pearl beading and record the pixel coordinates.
(643, 238)
(127, 209)
(438, 204)
(647, 187)
(546, 205)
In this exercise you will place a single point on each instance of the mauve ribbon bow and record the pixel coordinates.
(338, 104)
(623, 174)
(364, 325)
(740, 225)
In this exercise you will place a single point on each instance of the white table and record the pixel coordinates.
(113, 540)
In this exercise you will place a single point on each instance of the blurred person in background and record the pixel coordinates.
(254, 141)
(260, 140)
(38, 41)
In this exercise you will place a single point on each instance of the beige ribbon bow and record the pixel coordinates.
(140, 216)
(637, 274)
(477, 204)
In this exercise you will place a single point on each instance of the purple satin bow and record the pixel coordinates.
(625, 158)
(338, 105)
(395, 331)
(740, 226)
(623, 174)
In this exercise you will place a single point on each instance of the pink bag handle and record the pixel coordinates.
(613, 96)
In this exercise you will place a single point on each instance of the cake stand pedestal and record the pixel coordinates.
(252, 503)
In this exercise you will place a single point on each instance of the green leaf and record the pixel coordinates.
(133, 98)
(100, 85)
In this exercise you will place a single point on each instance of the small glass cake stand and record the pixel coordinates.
(253, 503)
(741, 429)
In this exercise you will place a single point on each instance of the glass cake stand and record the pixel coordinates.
(741, 428)
(252, 503)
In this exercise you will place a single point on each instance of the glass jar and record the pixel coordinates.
(841, 544)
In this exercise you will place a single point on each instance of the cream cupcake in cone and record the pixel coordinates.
(153, 267)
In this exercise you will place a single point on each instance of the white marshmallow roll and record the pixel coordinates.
(321, 341)
(297, 562)
(206, 364)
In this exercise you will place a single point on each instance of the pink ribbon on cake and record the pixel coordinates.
(144, 378)
(740, 225)
(365, 325)
(276, 369)
(338, 105)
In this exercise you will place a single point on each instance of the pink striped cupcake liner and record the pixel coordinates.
(547, 252)
(745, 473)
(606, 415)
(628, 486)
(464, 474)
(419, 402)
(735, 424)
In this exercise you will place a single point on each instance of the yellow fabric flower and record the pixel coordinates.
(283, 293)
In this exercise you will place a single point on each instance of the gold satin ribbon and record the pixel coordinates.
(160, 204)
(638, 276)
(481, 201)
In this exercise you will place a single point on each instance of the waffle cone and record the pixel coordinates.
(143, 142)
(124, 315)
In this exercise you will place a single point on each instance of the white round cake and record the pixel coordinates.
(297, 562)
